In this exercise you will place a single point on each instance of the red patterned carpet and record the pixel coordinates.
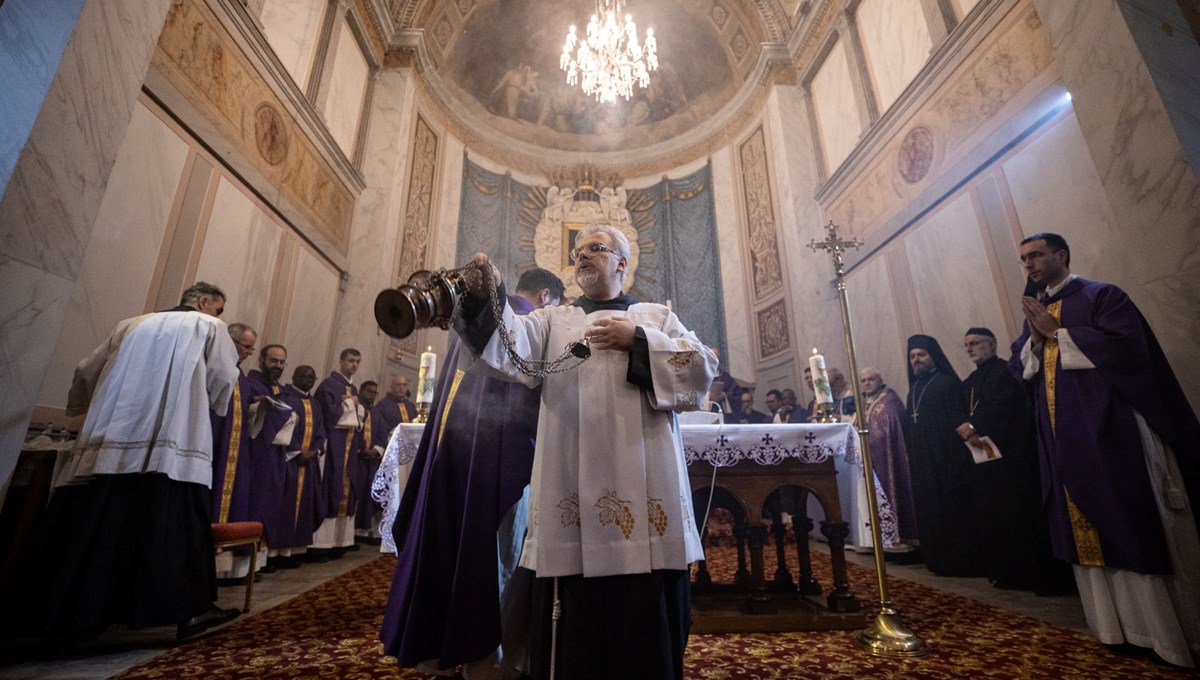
(330, 632)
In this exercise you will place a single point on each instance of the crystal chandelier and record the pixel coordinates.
(610, 60)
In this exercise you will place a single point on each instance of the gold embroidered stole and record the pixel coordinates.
(305, 443)
(343, 506)
(405, 417)
(1087, 539)
(458, 376)
(231, 459)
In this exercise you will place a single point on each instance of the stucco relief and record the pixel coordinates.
(201, 60)
(760, 215)
(565, 214)
(773, 335)
(969, 106)
(418, 212)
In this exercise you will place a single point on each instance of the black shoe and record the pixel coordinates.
(316, 555)
(269, 568)
(290, 562)
(337, 553)
(227, 582)
(353, 547)
(198, 624)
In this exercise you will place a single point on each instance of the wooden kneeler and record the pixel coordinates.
(233, 534)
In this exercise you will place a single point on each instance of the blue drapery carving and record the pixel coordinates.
(677, 237)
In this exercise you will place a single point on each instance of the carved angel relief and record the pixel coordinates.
(568, 211)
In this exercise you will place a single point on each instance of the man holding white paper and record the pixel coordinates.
(999, 430)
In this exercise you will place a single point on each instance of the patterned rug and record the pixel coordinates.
(330, 632)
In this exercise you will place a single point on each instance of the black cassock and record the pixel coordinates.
(940, 465)
(1006, 491)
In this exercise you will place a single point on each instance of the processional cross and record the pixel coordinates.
(887, 634)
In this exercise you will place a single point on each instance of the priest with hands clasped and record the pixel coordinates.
(611, 531)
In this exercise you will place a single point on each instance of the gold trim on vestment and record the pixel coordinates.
(458, 376)
(231, 459)
(1050, 362)
(305, 443)
(344, 505)
(1087, 539)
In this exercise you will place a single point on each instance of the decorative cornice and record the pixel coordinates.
(236, 19)
(381, 19)
(959, 46)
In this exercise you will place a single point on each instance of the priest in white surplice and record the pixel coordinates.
(611, 531)
(127, 537)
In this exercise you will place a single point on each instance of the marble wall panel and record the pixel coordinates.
(837, 114)
(896, 43)
(1054, 187)
(761, 223)
(311, 314)
(739, 360)
(952, 280)
(241, 244)
(374, 239)
(418, 211)
(347, 89)
(878, 341)
(292, 28)
(119, 263)
(449, 204)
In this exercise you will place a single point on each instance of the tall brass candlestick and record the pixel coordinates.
(887, 634)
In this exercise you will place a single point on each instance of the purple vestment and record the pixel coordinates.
(268, 472)
(885, 422)
(363, 467)
(1093, 449)
(389, 413)
(338, 487)
(302, 478)
(232, 484)
(473, 462)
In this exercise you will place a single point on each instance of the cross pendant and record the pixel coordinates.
(914, 416)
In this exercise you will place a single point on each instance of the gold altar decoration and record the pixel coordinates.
(886, 635)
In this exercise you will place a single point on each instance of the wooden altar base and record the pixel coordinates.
(730, 613)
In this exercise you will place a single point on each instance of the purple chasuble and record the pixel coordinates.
(889, 457)
(363, 467)
(232, 482)
(1093, 449)
(338, 488)
(473, 462)
(301, 507)
(268, 476)
(389, 413)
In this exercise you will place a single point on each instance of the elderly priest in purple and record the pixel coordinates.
(232, 485)
(343, 416)
(464, 501)
(1118, 444)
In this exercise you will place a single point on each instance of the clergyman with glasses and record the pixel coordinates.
(611, 532)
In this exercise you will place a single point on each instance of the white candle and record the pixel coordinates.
(820, 378)
(426, 375)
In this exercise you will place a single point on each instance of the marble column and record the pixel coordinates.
(864, 91)
(83, 90)
(375, 232)
(1130, 69)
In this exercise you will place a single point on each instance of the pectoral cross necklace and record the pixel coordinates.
(917, 406)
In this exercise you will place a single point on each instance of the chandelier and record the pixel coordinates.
(609, 60)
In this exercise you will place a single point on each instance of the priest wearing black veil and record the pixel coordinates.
(939, 462)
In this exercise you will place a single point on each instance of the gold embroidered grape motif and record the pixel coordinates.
(613, 510)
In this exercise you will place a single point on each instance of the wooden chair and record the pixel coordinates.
(234, 534)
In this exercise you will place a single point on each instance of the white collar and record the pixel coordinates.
(1053, 290)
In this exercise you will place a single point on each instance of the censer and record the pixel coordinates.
(428, 299)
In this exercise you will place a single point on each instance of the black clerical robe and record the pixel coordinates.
(941, 476)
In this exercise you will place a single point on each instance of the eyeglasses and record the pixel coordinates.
(246, 346)
(593, 249)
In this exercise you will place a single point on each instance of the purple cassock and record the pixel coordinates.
(389, 413)
(302, 507)
(363, 467)
(889, 457)
(1088, 439)
(338, 488)
(268, 473)
(232, 474)
(473, 462)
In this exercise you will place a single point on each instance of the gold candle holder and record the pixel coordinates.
(824, 413)
(886, 635)
(422, 412)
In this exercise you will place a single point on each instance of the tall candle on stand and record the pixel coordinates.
(820, 378)
(426, 375)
